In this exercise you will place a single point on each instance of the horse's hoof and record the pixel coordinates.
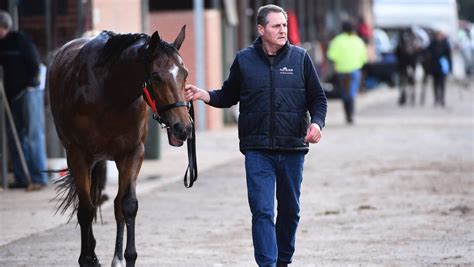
(89, 262)
(116, 262)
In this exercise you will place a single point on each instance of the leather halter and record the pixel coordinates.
(150, 99)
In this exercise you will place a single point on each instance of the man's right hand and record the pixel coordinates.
(195, 93)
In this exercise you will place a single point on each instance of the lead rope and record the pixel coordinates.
(192, 162)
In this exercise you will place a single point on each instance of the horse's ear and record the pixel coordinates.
(180, 38)
(154, 41)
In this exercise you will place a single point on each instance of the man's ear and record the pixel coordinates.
(260, 29)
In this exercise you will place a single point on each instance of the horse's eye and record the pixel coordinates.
(155, 76)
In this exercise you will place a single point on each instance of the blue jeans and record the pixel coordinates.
(265, 169)
(349, 84)
(351, 88)
(28, 114)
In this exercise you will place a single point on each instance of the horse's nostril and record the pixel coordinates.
(180, 131)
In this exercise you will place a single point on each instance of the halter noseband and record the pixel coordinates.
(150, 99)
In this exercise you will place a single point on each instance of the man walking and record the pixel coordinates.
(348, 52)
(277, 85)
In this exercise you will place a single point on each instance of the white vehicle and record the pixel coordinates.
(434, 14)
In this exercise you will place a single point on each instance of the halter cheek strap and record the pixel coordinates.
(148, 99)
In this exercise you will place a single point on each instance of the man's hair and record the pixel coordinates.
(347, 26)
(264, 10)
(5, 20)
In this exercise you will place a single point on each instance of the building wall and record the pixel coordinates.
(123, 17)
(213, 63)
(168, 24)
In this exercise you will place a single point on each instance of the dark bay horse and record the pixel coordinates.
(410, 52)
(407, 60)
(99, 89)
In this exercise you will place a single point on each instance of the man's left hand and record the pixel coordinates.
(313, 135)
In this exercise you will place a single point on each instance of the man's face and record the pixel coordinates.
(440, 36)
(276, 30)
(3, 32)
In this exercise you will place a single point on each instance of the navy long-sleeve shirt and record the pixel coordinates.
(20, 61)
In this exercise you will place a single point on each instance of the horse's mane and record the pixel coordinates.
(116, 44)
(167, 48)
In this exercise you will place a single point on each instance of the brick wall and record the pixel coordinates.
(121, 17)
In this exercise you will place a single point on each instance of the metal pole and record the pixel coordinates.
(13, 10)
(200, 74)
(80, 18)
(48, 21)
(145, 12)
(3, 141)
(16, 140)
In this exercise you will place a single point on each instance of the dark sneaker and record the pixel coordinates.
(17, 186)
(35, 187)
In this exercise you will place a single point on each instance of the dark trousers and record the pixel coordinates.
(349, 85)
(439, 86)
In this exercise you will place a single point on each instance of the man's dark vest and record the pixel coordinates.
(273, 109)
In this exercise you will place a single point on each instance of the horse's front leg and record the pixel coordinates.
(86, 210)
(126, 205)
(424, 83)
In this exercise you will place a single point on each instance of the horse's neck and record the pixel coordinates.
(127, 75)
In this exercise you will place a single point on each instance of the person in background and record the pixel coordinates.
(348, 52)
(25, 93)
(277, 85)
(364, 30)
(464, 43)
(441, 66)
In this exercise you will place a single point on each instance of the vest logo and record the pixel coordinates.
(286, 70)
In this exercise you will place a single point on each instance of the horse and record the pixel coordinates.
(406, 53)
(426, 64)
(99, 89)
(411, 51)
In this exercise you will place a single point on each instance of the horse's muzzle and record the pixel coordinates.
(178, 133)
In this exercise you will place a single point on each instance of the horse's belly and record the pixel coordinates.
(105, 138)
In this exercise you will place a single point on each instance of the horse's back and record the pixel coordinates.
(83, 114)
(65, 64)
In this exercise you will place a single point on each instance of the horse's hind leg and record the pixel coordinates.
(424, 83)
(86, 209)
(99, 175)
(411, 84)
(126, 205)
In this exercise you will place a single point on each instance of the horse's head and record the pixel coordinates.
(167, 79)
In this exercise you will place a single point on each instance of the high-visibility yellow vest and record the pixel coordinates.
(348, 52)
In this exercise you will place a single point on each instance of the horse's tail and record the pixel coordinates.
(98, 176)
(66, 193)
(66, 189)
